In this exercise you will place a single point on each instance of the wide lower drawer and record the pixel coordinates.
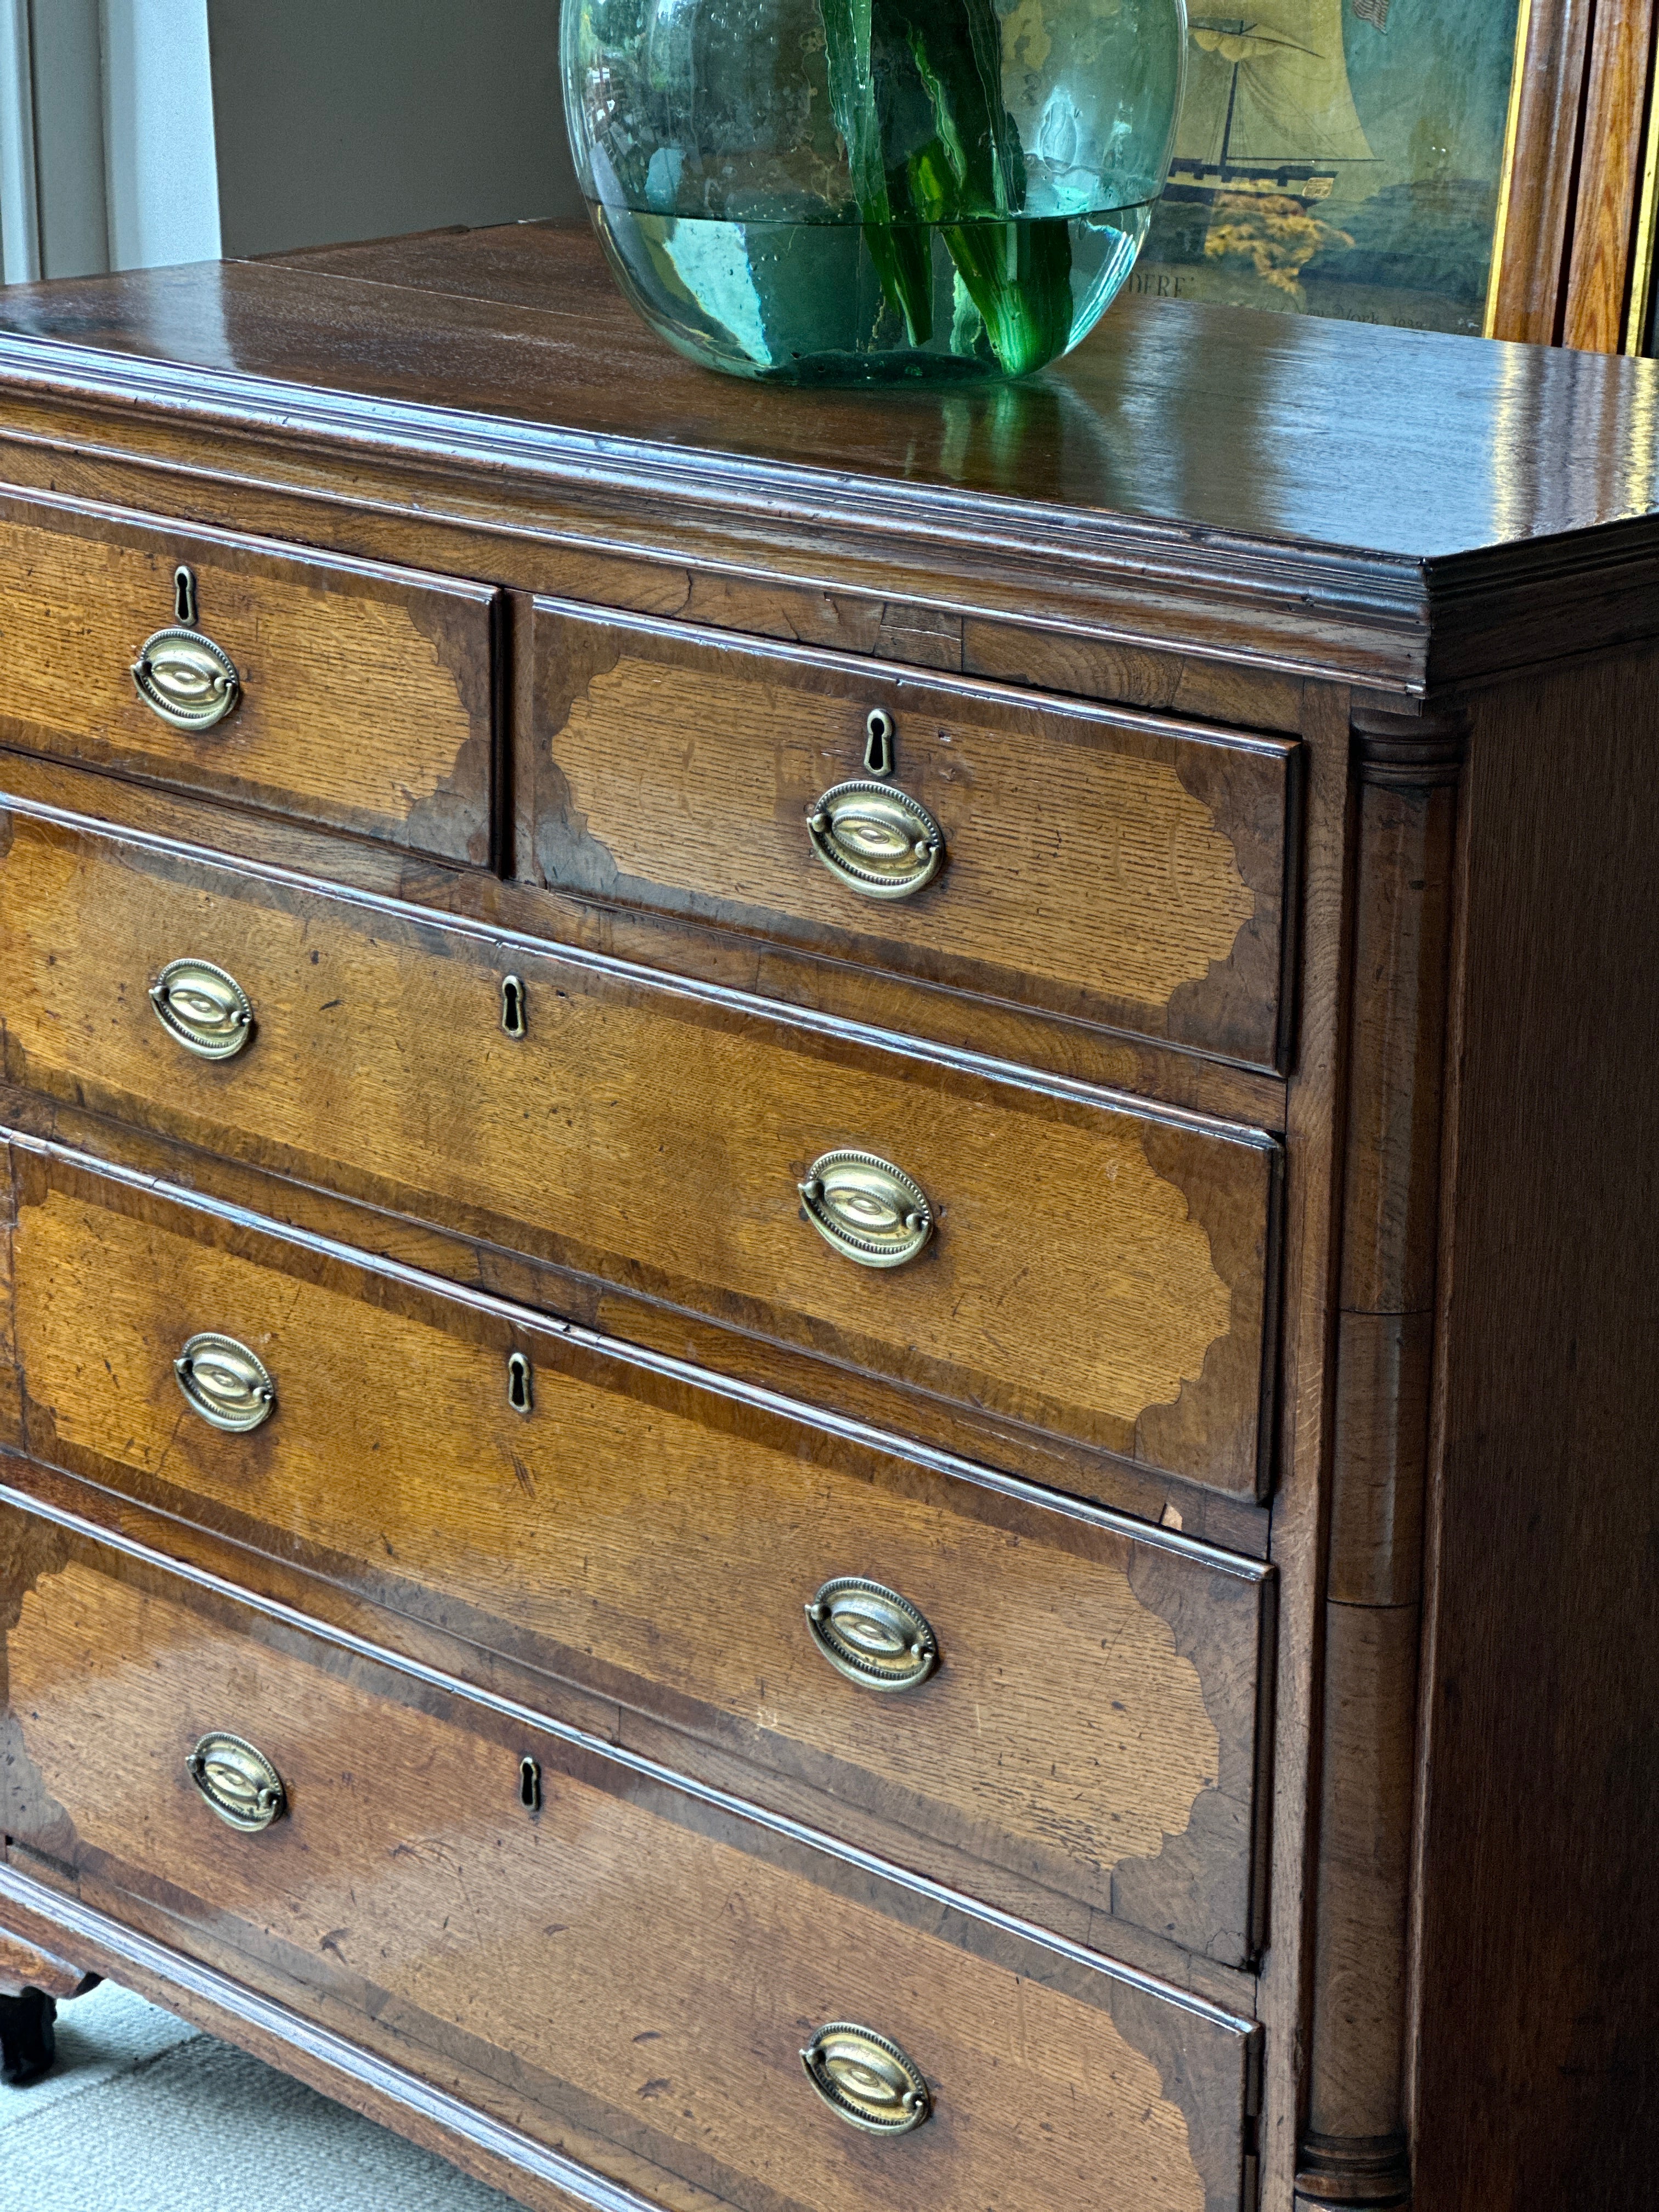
(1096, 1270)
(1110, 867)
(336, 691)
(634, 1971)
(1065, 1708)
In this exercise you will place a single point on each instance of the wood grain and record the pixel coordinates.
(11, 1402)
(1112, 871)
(882, 1413)
(1214, 489)
(1543, 1687)
(1617, 96)
(1529, 283)
(1354, 2149)
(1074, 1730)
(1356, 2146)
(1300, 1505)
(653, 581)
(756, 966)
(1095, 1272)
(1382, 1379)
(366, 689)
(469, 2135)
(655, 1998)
(1093, 668)
(445, 1657)
(1571, 209)
(1194, 520)
(24, 1966)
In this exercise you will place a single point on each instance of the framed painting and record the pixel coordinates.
(1340, 157)
(1482, 166)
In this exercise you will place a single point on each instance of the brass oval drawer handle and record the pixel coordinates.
(872, 1635)
(185, 678)
(875, 838)
(869, 1211)
(207, 1011)
(867, 2079)
(229, 1386)
(238, 1781)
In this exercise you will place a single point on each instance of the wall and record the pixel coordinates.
(53, 220)
(106, 135)
(359, 118)
(158, 133)
(135, 133)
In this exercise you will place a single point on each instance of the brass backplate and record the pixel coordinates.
(872, 1635)
(870, 1212)
(203, 1008)
(238, 1781)
(875, 838)
(868, 2081)
(187, 679)
(229, 1386)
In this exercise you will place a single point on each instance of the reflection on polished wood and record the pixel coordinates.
(1172, 1657)
(1247, 483)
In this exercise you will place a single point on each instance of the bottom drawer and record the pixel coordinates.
(628, 1970)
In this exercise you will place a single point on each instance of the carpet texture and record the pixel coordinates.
(143, 2114)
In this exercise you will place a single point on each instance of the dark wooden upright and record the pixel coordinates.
(1147, 1696)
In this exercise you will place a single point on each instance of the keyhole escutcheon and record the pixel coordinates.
(518, 1389)
(879, 731)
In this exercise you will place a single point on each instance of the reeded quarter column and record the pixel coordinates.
(1355, 2150)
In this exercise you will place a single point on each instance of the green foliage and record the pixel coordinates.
(916, 86)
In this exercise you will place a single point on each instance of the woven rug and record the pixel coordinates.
(143, 2114)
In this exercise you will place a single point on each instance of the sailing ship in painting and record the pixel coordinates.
(1268, 106)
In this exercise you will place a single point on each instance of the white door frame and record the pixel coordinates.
(19, 213)
(107, 139)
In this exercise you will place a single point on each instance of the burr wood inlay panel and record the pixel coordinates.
(364, 691)
(1099, 865)
(642, 1967)
(1092, 1728)
(1097, 1269)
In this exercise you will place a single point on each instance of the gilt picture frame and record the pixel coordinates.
(1487, 167)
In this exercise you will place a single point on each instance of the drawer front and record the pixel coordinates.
(1107, 867)
(1083, 1725)
(1095, 1272)
(637, 1969)
(363, 696)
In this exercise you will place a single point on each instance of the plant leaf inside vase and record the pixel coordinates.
(916, 89)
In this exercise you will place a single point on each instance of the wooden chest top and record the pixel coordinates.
(1401, 508)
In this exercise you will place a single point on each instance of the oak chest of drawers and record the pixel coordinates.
(830, 1333)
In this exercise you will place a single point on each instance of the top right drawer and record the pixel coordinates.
(1117, 869)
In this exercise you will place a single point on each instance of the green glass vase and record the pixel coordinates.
(871, 191)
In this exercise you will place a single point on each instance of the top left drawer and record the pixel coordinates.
(335, 691)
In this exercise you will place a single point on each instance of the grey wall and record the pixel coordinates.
(69, 137)
(340, 119)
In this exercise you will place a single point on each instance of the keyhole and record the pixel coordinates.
(878, 735)
(530, 1785)
(512, 1006)
(183, 598)
(517, 1382)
